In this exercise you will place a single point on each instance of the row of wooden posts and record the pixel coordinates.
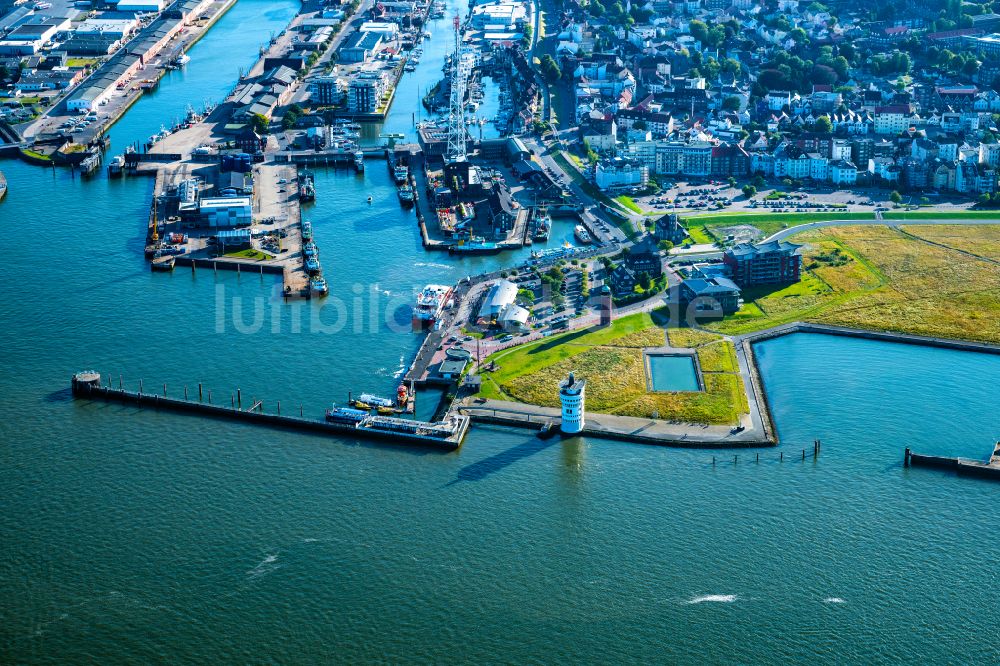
(817, 446)
(236, 399)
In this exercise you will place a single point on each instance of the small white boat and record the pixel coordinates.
(369, 199)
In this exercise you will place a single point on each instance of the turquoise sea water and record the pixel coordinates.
(672, 373)
(132, 536)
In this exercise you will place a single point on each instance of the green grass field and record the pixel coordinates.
(628, 203)
(256, 255)
(612, 360)
(768, 223)
(922, 281)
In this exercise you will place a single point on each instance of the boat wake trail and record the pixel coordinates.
(713, 598)
(264, 567)
(431, 264)
(834, 600)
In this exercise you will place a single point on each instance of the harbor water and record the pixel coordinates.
(135, 536)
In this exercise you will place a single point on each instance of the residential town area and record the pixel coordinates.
(897, 96)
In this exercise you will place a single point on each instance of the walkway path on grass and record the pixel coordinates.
(891, 222)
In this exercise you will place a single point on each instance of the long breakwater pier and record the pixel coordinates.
(446, 434)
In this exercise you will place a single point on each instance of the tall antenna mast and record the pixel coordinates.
(456, 110)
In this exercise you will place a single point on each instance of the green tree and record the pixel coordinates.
(731, 103)
(665, 245)
(823, 125)
(895, 197)
(749, 191)
(645, 282)
(259, 123)
(550, 69)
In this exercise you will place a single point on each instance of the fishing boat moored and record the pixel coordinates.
(406, 195)
(318, 286)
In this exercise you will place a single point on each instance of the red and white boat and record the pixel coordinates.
(431, 301)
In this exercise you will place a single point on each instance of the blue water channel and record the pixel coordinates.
(140, 536)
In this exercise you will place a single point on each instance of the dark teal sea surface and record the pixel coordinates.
(131, 536)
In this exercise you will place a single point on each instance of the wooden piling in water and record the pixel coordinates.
(199, 392)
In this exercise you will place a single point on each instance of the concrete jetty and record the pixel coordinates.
(447, 434)
(962, 466)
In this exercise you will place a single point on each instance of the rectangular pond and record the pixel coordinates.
(672, 373)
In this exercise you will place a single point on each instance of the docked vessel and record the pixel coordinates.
(182, 60)
(307, 192)
(345, 415)
(431, 301)
(400, 173)
(359, 161)
(164, 263)
(318, 286)
(375, 400)
(116, 167)
(543, 225)
(307, 231)
(310, 249)
(406, 195)
(307, 188)
(582, 234)
(312, 266)
(474, 245)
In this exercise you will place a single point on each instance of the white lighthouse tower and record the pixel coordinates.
(571, 395)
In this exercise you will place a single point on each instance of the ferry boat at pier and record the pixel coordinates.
(401, 173)
(431, 301)
(345, 415)
(582, 234)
